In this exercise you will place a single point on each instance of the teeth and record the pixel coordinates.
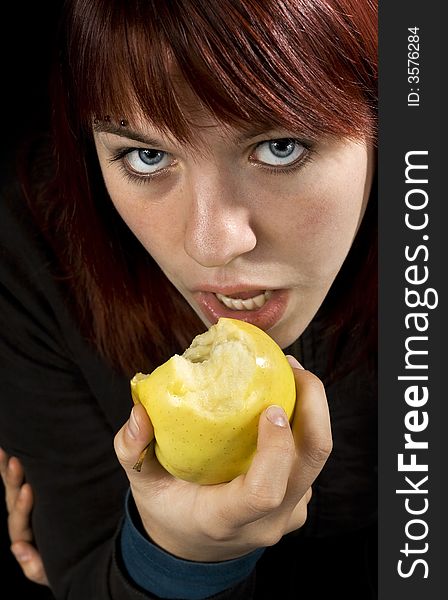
(248, 304)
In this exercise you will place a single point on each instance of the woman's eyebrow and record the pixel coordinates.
(253, 133)
(123, 131)
(137, 136)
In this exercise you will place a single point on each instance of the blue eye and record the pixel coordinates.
(146, 161)
(280, 152)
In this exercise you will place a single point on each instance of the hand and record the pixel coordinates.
(19, 503)
(220, 522)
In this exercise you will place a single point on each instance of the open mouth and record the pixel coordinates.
(263, 308)
(250, 303)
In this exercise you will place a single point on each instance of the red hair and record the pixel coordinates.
(306, 66)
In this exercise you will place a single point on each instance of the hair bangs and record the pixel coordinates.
(292, 65)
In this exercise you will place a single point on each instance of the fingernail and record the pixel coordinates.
(133, 428)
(293, 362)
(277, 416)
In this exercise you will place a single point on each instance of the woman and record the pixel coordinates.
(202, 154)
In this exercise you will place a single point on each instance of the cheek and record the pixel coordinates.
(333, 214)
(322, 228)
(156, 230)
(151, 220)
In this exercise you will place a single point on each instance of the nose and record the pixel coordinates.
(218, 226)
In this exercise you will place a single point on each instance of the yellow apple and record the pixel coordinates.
(205, 405)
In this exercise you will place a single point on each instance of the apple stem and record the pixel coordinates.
(141, 458)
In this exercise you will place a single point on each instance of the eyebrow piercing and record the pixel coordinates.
(108, 119)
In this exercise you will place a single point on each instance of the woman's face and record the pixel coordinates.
(249, 226)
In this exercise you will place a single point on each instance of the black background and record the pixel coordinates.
(28, 30)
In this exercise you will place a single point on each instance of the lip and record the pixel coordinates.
(265, 317)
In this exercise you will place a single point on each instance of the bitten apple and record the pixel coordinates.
(205, 405)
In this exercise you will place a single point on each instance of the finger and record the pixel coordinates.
(13, 480)
(263, 488)
(30, 562)
(294, 363)
(297, 518)
(133, 438)
(4, 458)
(19, 517)
(312, 431)
(309, 494)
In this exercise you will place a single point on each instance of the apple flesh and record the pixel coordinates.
(205, 405)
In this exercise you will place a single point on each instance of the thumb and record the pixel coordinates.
(275, 446)
(267, 478)
(133, 438)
